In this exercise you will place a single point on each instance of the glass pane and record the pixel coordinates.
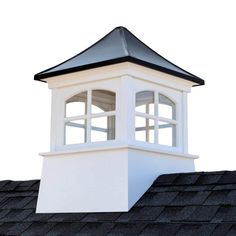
(166, 107)
(75, 132)
(144, 129)
(140, 135)
(103, 101)
(102, 128)
(76, 105)
(96, 109)
(145, 102)
(167, 134)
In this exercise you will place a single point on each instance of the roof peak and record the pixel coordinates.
(120, 27)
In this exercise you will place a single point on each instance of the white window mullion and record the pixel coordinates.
(147, 123)
(144, 115)
(108, 113)
(88, 120)
(174, 122)
(66, 119)
(156, 102)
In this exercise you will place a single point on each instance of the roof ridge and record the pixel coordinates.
(123, 40)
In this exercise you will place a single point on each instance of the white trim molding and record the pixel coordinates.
(102, 146)
(119, 70)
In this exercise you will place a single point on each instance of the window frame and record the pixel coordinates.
(158, 118)
(88, 117)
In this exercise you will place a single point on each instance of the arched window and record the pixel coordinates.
(155, 120)
(90, 117)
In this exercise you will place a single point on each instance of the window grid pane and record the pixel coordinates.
(80, 124)
(166, 107)
(144, 130)
(145, 102)
(77, 105)
(75, 132)
(103, 101)
(167, 134)
(102, 128)
(163, 132)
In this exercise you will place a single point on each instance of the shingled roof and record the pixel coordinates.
(120, 45)
(201, 203)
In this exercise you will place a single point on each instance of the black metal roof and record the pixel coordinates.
(120, 45)
(176, 204)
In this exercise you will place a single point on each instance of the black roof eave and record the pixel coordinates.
(44, 75)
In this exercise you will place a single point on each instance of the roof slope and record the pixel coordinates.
(176, 204)
(119, 45)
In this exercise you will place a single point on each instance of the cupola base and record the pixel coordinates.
(110, 179)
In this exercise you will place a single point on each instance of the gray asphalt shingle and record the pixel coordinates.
(176, 204)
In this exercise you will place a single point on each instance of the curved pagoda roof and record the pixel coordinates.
(120, 45)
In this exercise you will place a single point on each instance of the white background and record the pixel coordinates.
(199, 36)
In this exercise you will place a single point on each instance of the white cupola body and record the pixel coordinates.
(118, 121)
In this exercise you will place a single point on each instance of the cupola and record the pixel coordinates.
(118, 121)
